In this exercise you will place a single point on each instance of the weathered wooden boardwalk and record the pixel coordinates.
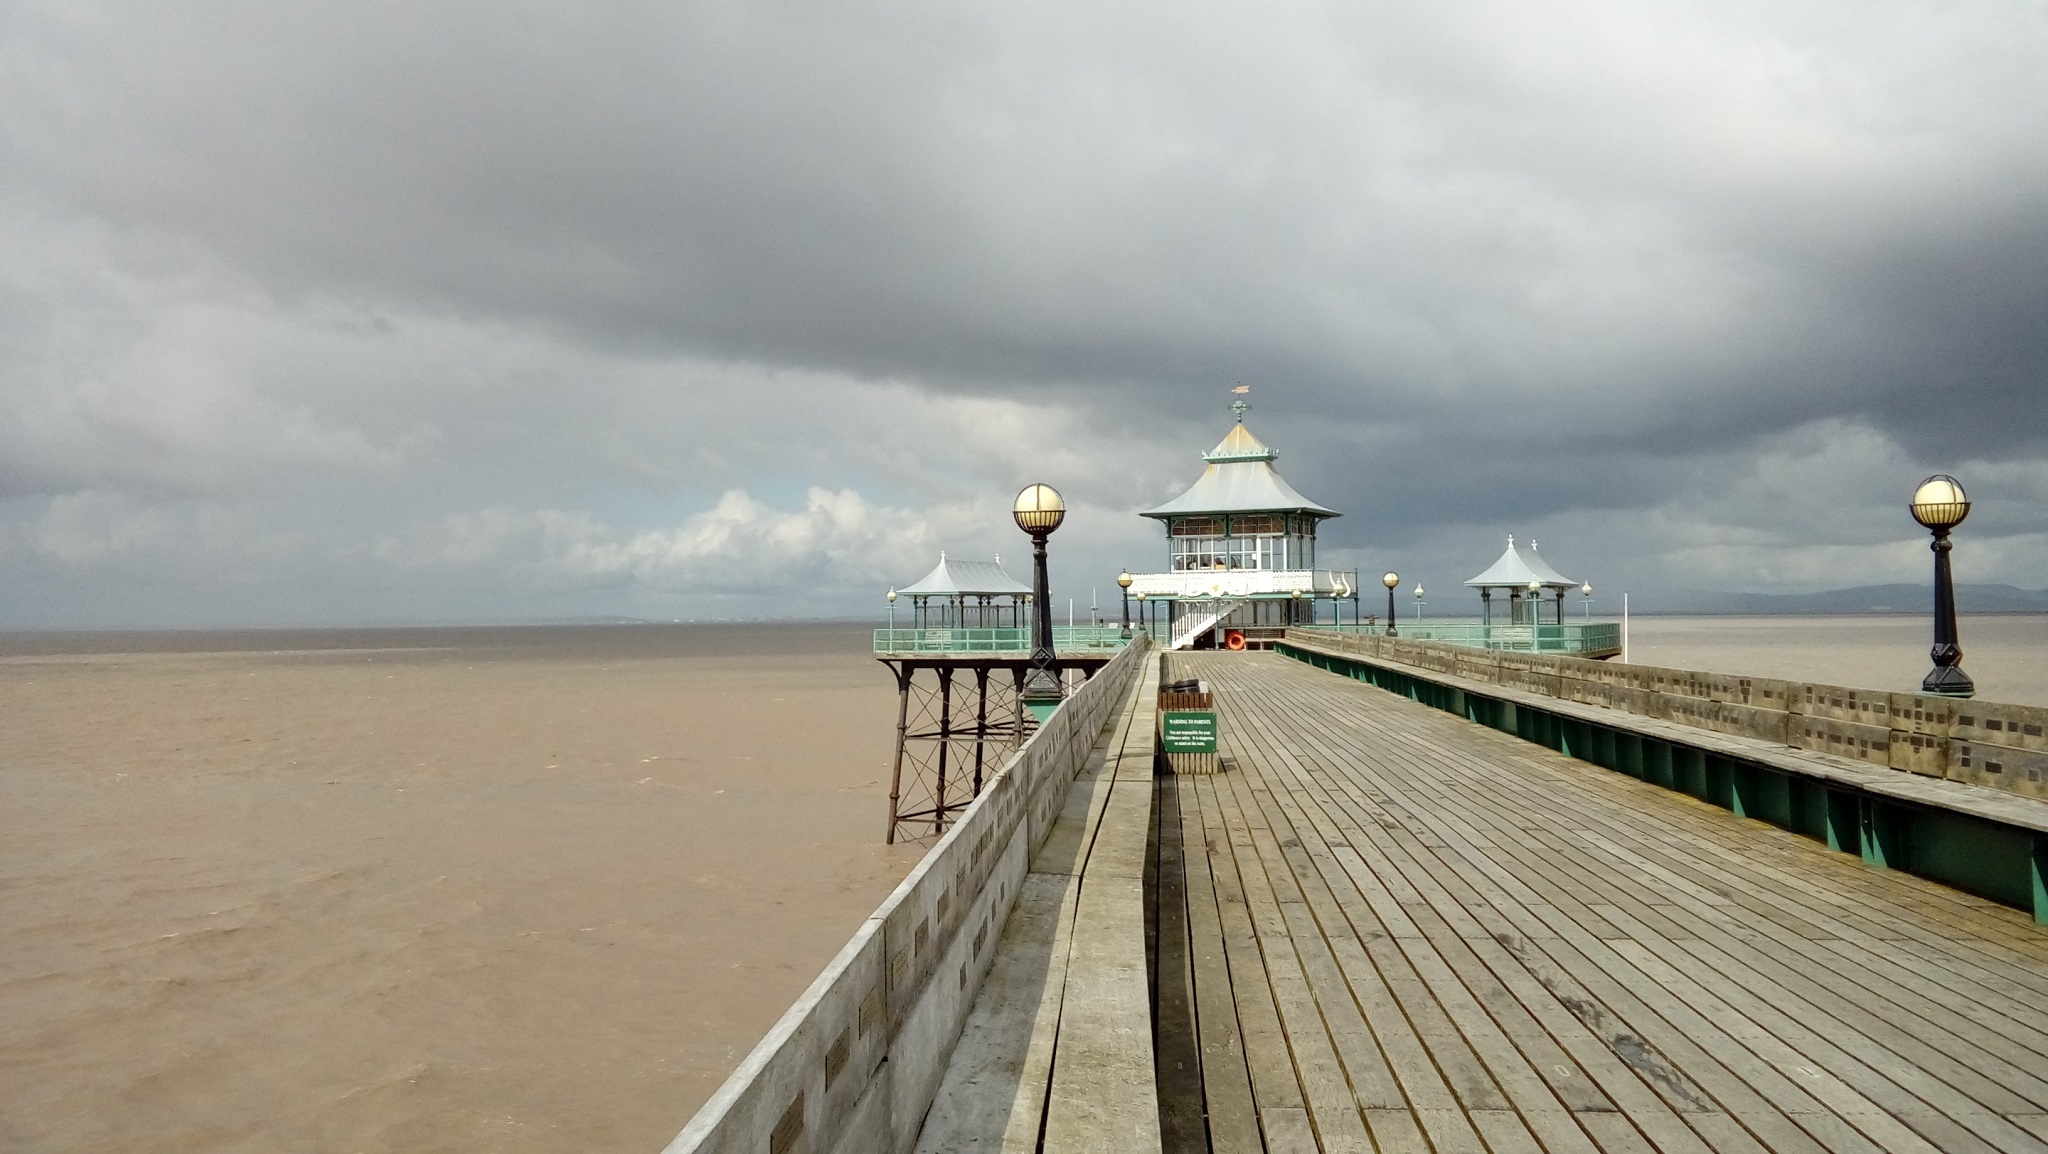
(1386, 928)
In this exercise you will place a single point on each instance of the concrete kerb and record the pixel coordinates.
(853, 1063)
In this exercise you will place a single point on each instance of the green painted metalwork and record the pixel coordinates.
(1065, 639)
(2006, 864)
(1573, 638)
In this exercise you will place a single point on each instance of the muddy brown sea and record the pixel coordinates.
(515, 890)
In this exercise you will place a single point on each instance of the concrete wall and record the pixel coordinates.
(1983, 743)
(854, 1064)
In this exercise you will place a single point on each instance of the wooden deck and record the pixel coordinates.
(1386, 928)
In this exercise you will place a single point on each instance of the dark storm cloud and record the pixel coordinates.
(1485, 263)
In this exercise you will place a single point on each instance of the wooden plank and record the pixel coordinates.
(1614, 1136)
(1274, 1083)
(1104, 1093)
(1226, 1080)
(1176, 1042)
(1324, 1089)
(1582, 1001)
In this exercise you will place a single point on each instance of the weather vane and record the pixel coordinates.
(1239, 405)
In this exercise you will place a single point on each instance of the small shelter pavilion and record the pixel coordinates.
(967, 595)
(1513, 572)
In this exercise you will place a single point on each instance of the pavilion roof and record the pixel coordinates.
(973, 578)
(1517, 567)
(1240, 479)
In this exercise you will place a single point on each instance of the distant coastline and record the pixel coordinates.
(1862, 600)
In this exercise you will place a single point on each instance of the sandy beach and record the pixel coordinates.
(518, 890)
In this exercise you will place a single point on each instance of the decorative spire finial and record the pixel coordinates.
(1511, 540)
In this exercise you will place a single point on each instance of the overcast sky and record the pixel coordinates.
(420, 312)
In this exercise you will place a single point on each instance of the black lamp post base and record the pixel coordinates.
(1949, 681)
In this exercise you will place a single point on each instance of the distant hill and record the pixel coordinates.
(1902, 598)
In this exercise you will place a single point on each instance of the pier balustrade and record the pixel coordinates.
(1595, 639)
(855, 1063)
(1065, 639)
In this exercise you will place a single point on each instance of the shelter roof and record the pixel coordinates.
(1240, 479)
(1518, 566)
(975, 578)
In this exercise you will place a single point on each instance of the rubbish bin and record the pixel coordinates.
(1187, 727)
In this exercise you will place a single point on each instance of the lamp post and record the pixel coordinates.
(1294, 613)
(1143, 615)
(1039, 510)
(892, 618)
(1535, 611)
(1940, 504)
(1390, 581)
(1123, 581)
(1419, 602)
(1586, 591)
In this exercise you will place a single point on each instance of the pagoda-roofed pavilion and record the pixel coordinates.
(966, 595)
(1241, 552)
(1515, 569)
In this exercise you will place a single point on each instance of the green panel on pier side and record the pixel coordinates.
(1628, 753)
(1883, 838)
(1656, 762)
(1844, 820)
(1776, 801)
(1721, 776)
(1689, 772)
(2040, 877)
(1991, 861)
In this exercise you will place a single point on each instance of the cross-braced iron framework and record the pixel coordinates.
(957, 721)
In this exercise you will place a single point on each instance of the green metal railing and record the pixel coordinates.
(1571, 638)
(1065, 639)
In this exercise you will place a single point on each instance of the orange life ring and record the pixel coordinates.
(1234, 639)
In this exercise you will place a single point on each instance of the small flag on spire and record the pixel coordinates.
(1242, 389)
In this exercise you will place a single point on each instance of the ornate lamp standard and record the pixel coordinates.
(1390, 581)
(1123, 581)
(1940, 504)
(892, 618)
(1586, 591)
(1419, 602)
(1039, 510)
(1144, 615)
(1535, 611)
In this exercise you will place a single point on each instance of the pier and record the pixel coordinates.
(1404, 931)
(1437, 898)
(1257, 878)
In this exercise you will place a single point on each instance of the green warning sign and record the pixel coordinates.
(1188, 731)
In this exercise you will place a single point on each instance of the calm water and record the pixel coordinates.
(426, 889)
(2007, 655)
